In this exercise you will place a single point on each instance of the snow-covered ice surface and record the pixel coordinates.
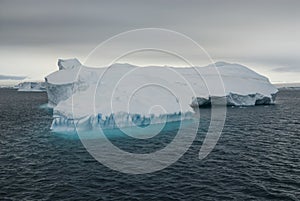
(125, 95)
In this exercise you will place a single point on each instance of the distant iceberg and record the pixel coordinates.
(31, 86)
(87, 97)
(288, 86)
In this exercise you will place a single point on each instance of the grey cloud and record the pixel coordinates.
(288, 69)
(259, 31)
(35, 22)
(11, 77)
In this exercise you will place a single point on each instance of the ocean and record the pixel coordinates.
(256, 158)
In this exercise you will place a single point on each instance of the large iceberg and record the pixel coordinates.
(125, 95)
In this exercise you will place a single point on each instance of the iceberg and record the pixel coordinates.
(288, 86)
(31, 86)
(125, 95)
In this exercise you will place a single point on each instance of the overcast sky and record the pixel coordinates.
(264, 35)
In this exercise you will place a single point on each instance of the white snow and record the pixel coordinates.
(125, 95)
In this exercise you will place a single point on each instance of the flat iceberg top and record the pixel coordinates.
(78, 91)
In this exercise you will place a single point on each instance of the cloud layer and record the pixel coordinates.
(11, 77)
(264, 33)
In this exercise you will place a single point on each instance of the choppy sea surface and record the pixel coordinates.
(256, 158)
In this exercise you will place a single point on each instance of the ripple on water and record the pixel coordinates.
(256, 158)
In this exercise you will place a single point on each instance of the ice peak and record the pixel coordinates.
(118, 65)
(221, 63)
(64, 64)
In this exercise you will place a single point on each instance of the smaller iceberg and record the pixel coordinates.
(31, 86)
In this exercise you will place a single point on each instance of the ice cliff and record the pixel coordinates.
(124, 95)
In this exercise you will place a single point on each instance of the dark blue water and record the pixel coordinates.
(256, 158)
